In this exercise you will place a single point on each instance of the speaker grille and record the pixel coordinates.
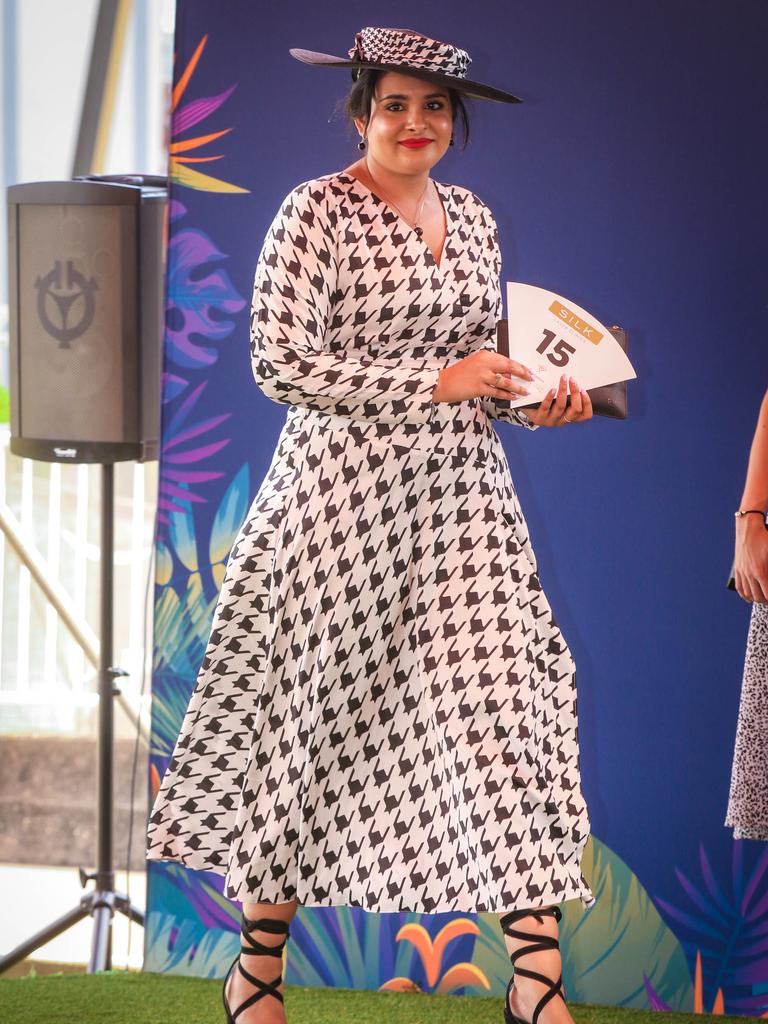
(74, 321)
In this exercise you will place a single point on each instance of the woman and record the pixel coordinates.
(747, 812)
(386, 713)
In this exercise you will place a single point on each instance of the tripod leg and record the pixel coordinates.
(61, 924)
(101, 939)
(134, 913)
(123, 904)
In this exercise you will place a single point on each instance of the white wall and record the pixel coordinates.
(53, 42)
(51, 48)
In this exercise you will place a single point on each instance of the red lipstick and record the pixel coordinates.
(415, 143)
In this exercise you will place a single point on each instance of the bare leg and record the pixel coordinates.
(526, 992)
(268, 1009)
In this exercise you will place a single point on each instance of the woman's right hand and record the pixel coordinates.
(750, 571)
(475, 376)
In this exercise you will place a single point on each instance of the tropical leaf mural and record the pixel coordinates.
(329, 946)
(348, 947)
(189, 115)
(201, 299)
(607, 949)
(228, 519)
(202, 308)
(718, 1007)
(200, 304)
(459, 975)
(724, 929)
(187, 588)
(179, 562)
(174, 945)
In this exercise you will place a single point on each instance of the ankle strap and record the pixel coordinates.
(539, 944)
(516, 915)
(272, 925)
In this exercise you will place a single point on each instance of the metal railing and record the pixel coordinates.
(49, 591)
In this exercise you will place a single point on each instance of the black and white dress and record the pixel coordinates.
(385, 716)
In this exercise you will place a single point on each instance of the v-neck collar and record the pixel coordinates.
(443, 194)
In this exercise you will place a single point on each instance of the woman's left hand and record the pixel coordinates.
(750, 564)
(552, 411)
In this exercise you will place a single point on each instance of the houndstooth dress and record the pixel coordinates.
(747, 812)
(385, 716)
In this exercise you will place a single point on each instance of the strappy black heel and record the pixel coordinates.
(541, 942)
(266, 988)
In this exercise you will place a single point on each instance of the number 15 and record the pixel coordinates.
(559, 356)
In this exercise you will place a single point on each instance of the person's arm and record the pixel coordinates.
(292, 309)
(751, 555)
(551, 411)
(498, 408)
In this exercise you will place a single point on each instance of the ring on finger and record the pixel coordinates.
(566, 419)
(498, 378)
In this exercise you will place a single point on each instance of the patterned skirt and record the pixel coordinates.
(748, 800)
(386, 713)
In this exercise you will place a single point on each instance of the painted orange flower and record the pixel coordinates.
(185, 117)
(431, 953)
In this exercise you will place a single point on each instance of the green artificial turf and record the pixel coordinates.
(119, 997)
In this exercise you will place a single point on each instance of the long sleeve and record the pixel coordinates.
(498, 408)
(292, 310)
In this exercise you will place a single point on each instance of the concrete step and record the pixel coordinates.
(48, 801)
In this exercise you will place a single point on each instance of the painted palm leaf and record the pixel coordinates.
(607, 949)
(726, 920)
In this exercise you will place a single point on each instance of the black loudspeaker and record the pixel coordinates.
(86, 311)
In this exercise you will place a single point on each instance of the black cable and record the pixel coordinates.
(138, 721)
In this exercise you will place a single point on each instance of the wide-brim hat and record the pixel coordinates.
(411, 53)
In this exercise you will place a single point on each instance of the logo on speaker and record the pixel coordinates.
(58, 292)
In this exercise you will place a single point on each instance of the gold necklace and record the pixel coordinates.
(415, 225)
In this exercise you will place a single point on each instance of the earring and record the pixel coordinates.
(361, 143)
(451, 143)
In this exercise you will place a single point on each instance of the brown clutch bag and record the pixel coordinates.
(610, 400)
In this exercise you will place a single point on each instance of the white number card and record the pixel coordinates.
(552, 336)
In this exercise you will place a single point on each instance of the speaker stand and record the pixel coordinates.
(102, 902)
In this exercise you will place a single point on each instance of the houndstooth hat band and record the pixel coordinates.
(402, 49)
(401, 46)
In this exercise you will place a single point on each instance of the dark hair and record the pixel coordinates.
(360, 97)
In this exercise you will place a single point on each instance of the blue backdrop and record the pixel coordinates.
(632, 180)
